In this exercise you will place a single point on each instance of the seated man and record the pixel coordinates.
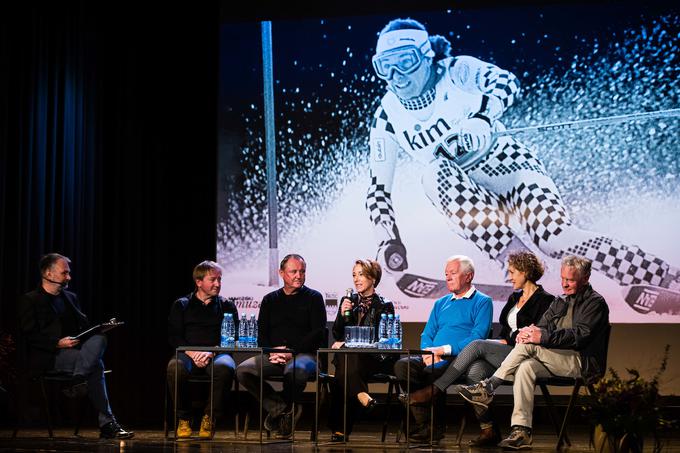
(49, 318)
(568, 341)
(456, 319)
(293, 317)
(196, 320)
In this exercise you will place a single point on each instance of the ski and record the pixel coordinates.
(646, 299)
(429, 288)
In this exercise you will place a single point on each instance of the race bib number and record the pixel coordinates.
(379, 150)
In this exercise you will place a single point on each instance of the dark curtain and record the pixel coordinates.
(108, 155)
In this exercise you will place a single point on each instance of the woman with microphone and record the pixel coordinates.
(363, 308)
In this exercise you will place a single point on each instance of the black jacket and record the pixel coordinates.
(379, 305)
(530, 313)
(589, 332)
(40, 328)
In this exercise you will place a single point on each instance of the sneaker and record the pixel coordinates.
(112, 430)
(288, 420)
(183, 429)
(519, 439)
(477, 394)
(206, 427)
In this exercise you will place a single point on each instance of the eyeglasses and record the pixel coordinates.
(404, 60)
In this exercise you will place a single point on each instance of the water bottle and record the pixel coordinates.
(253, 331)
(383, 334)
(227, 331)
(243, 332)
(390, 331)
(397, 333)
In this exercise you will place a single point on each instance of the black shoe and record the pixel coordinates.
(423, 435)
(288, 420)
(271, 423)
(339, 437)
(78, 388)
(112, 430)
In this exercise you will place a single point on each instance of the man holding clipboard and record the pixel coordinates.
(50, 321)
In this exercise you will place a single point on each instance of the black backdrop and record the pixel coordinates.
(108, 150)
(108, 155)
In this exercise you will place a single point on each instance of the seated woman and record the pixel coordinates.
(525, 306)
(365, 309)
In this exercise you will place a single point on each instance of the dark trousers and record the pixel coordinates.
(421, 376)
(360, 367)
(294, 382)
(87, 361)
(222, 380)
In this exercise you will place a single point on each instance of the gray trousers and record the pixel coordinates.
(524, 364)
(87, 361)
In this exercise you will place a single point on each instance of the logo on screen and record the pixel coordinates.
(419, 287)
(646, 300)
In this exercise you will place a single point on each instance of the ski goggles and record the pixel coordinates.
(404, 60)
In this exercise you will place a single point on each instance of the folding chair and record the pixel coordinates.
(576, 383)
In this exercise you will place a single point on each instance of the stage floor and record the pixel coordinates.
(153, 441)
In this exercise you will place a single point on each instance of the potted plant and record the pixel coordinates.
(625, 410)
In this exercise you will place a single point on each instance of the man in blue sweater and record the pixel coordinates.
(456, 319)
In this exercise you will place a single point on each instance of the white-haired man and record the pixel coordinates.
(455, 320)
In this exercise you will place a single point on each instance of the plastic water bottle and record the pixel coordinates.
(227, 331)
(397, 333)
(383, 334)
(243, 331)
(390, 331)
(252, 335)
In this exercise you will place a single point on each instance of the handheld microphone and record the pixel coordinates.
(347, 314)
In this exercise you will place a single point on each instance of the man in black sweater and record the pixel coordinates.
(292, 317)
(49, 318)
(195, 320)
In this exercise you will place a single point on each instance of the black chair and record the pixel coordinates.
(576, 384)
(60, 380)
(392, 384)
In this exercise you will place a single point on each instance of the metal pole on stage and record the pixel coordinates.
(270, 146)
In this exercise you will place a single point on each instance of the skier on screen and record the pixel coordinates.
(442, 111)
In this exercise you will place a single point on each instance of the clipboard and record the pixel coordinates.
(99, 328)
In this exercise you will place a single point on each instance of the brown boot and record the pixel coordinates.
(488, 437)
(423, 396)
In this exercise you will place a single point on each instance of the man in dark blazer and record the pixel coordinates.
(49, 318)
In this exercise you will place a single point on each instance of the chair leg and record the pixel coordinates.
(551, 409)
(563, 430)
(388, 406)
(165, 413)
(461, 429)
(46, 406)
(246, 422)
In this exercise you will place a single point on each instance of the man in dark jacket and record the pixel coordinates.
(196, 320)
(568, 341)
(49, 319)
(292, 317)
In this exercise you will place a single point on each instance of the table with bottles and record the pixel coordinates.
(362, 340)
(230, 343)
